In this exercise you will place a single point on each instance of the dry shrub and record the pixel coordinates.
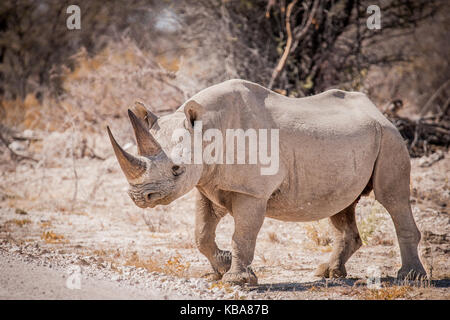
(97, 92)
(160, 67)
(104, 85)
(100, 88)
(16, 112)
(161, 70)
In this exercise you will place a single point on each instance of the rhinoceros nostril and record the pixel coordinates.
(148, 196)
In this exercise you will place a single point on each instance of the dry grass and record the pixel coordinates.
(182, 245)
(52, 238)
(45, 224)
(319, 235)
(315, 289)
(369, 219)
(174, 266)
(21, 212)
(273, 237)
(220, 285)
(386, 293)
(149, 264)
(18, 222)
(405, 289)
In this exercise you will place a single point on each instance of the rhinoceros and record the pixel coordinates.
(334, 147)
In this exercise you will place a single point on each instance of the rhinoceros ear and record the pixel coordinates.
(193, 112)
(144, 113)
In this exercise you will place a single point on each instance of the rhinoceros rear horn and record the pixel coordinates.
(132, 166)
(144, 113)
(146, 144)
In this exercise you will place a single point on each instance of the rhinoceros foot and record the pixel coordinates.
(241, 278)
(416, 272)
(222, 261)
(212, 276)
(325, 271)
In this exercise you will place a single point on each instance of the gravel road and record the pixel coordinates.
(27, 280)
(31, 272)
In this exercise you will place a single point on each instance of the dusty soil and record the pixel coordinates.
(55, 216)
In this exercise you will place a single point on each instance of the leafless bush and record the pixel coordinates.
(35, 42)
(164, 52)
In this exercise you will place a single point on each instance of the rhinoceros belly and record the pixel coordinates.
(327, 172)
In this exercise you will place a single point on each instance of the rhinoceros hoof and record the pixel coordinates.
(223, 261)
(212, 276)
(412, 273)
(240, 278)
(325, 271)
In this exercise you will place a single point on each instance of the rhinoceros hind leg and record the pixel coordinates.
(346, 242)
(391, 183)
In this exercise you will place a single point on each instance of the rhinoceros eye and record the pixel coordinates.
(177, 170)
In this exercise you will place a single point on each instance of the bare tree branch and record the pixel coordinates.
(291, 44)
(287, 49)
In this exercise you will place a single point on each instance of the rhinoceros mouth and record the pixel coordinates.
(160, 200)
(148, 199)
(142, 197)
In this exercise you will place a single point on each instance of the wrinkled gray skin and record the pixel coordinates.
(334, 147)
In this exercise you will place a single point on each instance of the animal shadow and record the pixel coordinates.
(343, 283)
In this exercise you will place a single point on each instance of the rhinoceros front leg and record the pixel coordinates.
(248, 213)
(206, 220)
(346, 242)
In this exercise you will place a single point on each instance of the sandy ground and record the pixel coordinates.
(52, 223)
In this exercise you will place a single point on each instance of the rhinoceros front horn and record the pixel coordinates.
(132, 166)
(146, 144)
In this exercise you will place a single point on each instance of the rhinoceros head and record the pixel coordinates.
(153, 177)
